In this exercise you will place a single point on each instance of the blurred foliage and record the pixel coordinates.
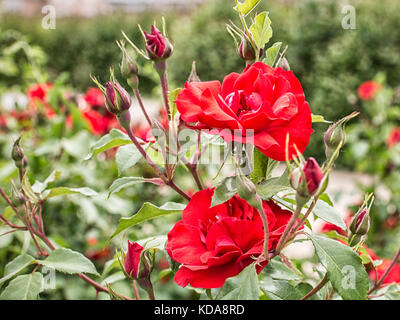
(374, 148)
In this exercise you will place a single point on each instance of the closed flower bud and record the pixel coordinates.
(246, 50)
(17, 154)
(158, 46)
(336, 135)
(128, 66)
(116, 97)
(136, 263)
(247, 191)
(313, 175)
(361, 222)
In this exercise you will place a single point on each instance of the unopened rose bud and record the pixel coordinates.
(246, 50)
(247, 191)
(17, 154)
(313, 175)
(336, 135)
(361, 222)
(129, 68)
(158, 46)
(136, 263)
(116, 97)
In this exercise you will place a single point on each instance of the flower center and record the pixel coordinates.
(241, 103)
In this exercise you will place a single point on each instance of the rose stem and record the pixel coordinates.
(318, 287)
(135, 290)
(292, 221)
(266, 232)
(141, 104)
(392, 264)
(164, 87)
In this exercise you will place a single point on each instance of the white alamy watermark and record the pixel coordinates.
(49, 20)
(349, 19)
(349, 279)
(49, 278)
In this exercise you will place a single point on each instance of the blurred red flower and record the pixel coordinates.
(368, 89)
(394, 137)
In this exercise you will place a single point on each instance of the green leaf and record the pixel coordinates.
(39, 187)
(127, 156)
(68, 261)
(278, 270)
(27, 187)
(263, 166)
(261, 29)
(329, 214)
(345, 269)
(272, 53)
(124, 182)
(225, 190)
(25, 287)
(246, 6)
(146, 212)
(244, 286)
(283, 290)
(318, 118)
(268, 188)
(172, 96)
(16, 266)
(114, 139)
(60, 191)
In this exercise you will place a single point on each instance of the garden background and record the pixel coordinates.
(330, 61)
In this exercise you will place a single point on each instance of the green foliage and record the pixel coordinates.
(25, 287)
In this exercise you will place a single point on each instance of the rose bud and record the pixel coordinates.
(246, 50)
(313, 176)
(158, 46)
(361, 222)
(136, 264)
(17, 154)
(128, 66)
(336, 135)
(117, 99)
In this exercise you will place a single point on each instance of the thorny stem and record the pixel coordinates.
(318, 287)
(286, 233)
(43, 237)
(164, 87)
(380, 281)
(141, 104)
(266, 232)
(135, 290)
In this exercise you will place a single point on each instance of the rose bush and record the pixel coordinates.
(261, 105)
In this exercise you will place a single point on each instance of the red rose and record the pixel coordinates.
(266, 102)
(213, 244)
(394, 137)
(368, 89)
(132, 259)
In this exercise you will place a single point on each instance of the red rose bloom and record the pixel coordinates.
(262, 105)
(368, 89)
(37, 96)
(394, 137)
(213, 244)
